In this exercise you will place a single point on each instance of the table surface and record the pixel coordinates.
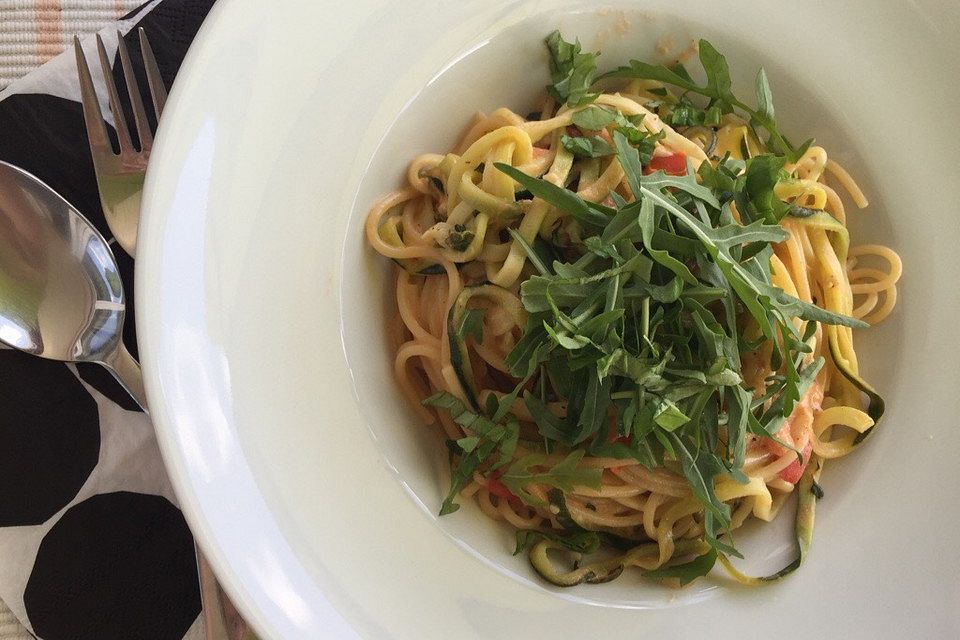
(33, 31)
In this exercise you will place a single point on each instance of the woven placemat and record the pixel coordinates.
(10, 629)
(33, 31)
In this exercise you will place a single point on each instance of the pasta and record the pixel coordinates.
(477, 244)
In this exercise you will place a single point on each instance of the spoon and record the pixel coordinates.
(61, 298)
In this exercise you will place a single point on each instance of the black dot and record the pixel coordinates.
(125, 265)
(103, 381)
(50, 435)
(116, 566)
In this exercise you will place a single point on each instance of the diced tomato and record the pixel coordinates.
(674, 164)
(574, 131)
(792, 473)
(500, 490)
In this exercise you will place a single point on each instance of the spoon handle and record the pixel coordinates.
(127, 372)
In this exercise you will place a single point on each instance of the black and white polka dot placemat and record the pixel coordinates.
(92, 543)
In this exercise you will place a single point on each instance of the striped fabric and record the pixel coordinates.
(33, 31)
(10, 629)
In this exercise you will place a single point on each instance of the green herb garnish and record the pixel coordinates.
(583, 147)
(639, 328)
(571, 71)
(719, 93)
(460, 238)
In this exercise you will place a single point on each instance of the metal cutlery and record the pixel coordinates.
(61, 298)
(120, 178)
(120, 175)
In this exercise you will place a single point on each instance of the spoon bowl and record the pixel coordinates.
(61, 296)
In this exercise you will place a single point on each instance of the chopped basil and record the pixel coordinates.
(571, 71)
(460, 238)
(582, 147)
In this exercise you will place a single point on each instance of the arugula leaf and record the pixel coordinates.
(593, 413)
(508, 443)
(472, 450)
(719, 91)
(669, 417)
(461, 474)
(780, 409)
(564, 475)
(757, 295)
(665, 293)
(561, 198)
(535, 258)
(529, 350)
(645, 373)
(755, 196)
(686, 114)
(583, 147)
(633, 169)
(792, 307)
(700, 471)
(721, 179)
(594, 118)
(548, 424)
(645, 219)
(571, 71)
(644, 141)
(565, 340)
(718, 73)
(676, 76)
(464, 416)
(738, 412)
(468, 443)
(764, 96)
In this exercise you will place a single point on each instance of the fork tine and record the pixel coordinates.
(133, 90)
(92, 116)
(120, 119)
(158, 92)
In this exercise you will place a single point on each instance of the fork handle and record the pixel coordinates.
(221, 621)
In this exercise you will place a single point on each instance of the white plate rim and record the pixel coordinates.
(267, 615)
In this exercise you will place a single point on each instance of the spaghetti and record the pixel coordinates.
(484, 253)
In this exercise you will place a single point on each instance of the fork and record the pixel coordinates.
(120, 175)
(120, 179)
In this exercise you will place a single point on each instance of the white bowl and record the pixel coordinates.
(300, 469)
